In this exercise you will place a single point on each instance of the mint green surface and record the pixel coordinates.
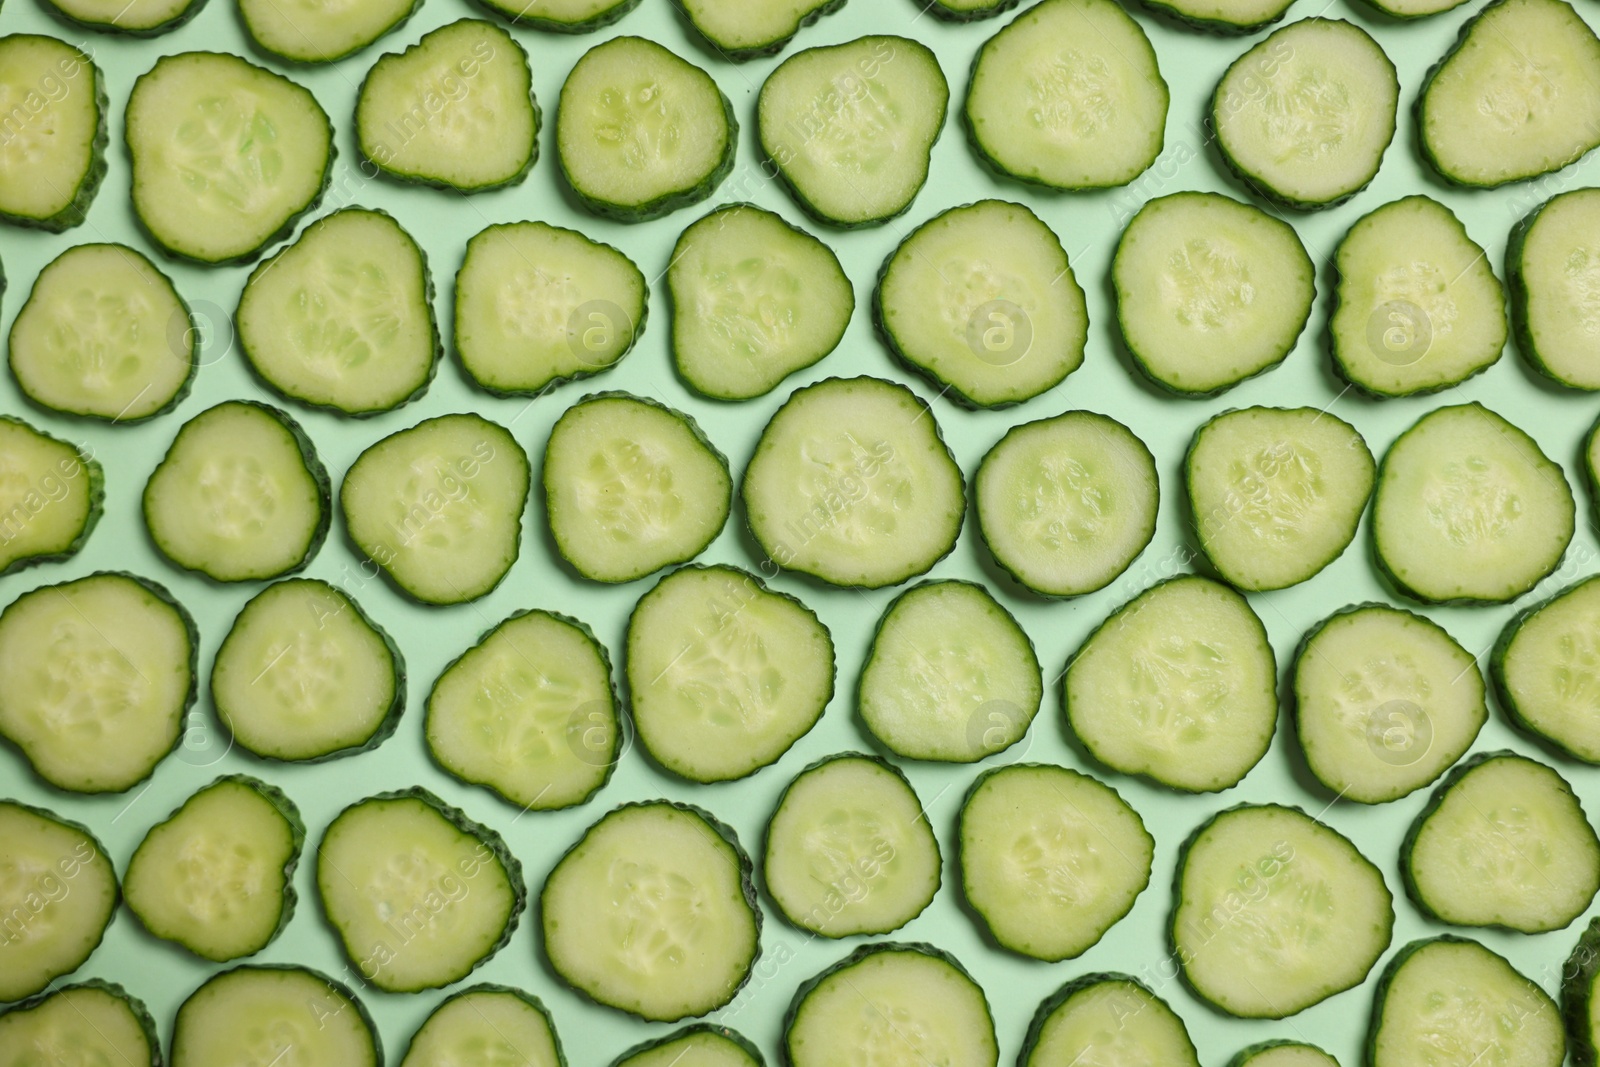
(429, 638)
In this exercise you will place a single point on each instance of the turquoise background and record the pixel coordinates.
(1088, 225)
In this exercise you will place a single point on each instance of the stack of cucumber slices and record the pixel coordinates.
(729, 533)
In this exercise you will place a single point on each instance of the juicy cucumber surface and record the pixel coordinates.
(91, 1023)
(53, 159)
(700, 1045)
(309, 31)
(488, 1024)
(1550, 258)
(1109, 1019)
(748, 29)
(51, 496)
(562, 16)
(1543, 670)
(289, 1016)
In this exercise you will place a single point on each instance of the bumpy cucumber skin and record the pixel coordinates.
(1245, 1055)
(509, 865)
(763, 588)
(1077, 985)
(301, 61)
(1441, 791)
(76, 211)
(1219, 26)
(1254, 183)
(772, 167)
(617, 751)
(1497, 672)
(747, 887)
(1517, 290)
(921, 948)
(297, 837)
(766, 48)
(427, 295)
(516, 17)
(1578, 978)
(939, 10)
(493, 987)
(333, 984)
(766, 840)
(97, 497)
(734, 1036)
(62, 16)
(135, 1006)
(1384, 9)
(577, 375)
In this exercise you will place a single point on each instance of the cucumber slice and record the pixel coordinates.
(632, 486)
(58, 894)
(852, 482)
(1068, 96)
(226, 155)
(966, 10)
(1262, 892)
(849, 850)
(240, 495)
(754, 300)
(724, 675)
(343, 318)
(1305, 116)
(562, 16)
(1385, 701)
(1066, 504)
(1579, 1005)
(486, 1024)
(215, 875)
(642, 132)
(1276, 494)
(1418, 308)
(1552, 263)
(1283, 1054)
(1469, 509)
(972, 294)
(1050, 859)
(104, 335)
(439, 506)
(748, 29)
(528, 712)
(850, 128)
(304, 674)
(1414, 9)
(1514, 97)
(1106, 1019)
(951, 676)
(53, 156)
(99, 677)
(538, 305)
(1447, 1000)
(1209, 291)
(93, 1022)
(1224, 16)
(309, 31)
(255, 1013)
(1543, 670)
(51, 496)
(699, 1045)
(1178, 685)
(653, 912)
(899, 1004)
(456, 110)
(419, 894)
(1504, 842)
(138, 18)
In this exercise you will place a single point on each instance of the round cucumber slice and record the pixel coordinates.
(966, 10)
(455, 110)
(1282, 1054)
(1305, 116)
(951, 676)
(1224, 16)
(343, 318)
(754, 300)
(53, 156)
(255, 1013)
(1544, 670)
(1469, 509)
(1106, 1018)
(1050, 859)
(240, 495)
(51, 496)
(93, 1022)
(724, 675)
(1209, 291)
(1262, 891)
(632, 486)
(852, 482)
(58, 894)
(653, 912)
(528, 712)
(1553, 271)
(486, 1024)
(419, 894)
(1068, 96)
(309, 31)
(104, 335)
(226, 155)
(700, 1045)
(748, 29)
(849, 850)
(1178, 685)
(1066, 504)
(642, 132)
(1579, 1004)
(538, 305)
(562, 16)
(1276, 494)
(850, 128)
(133, 18)
(982, 302)
(1385, 701)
